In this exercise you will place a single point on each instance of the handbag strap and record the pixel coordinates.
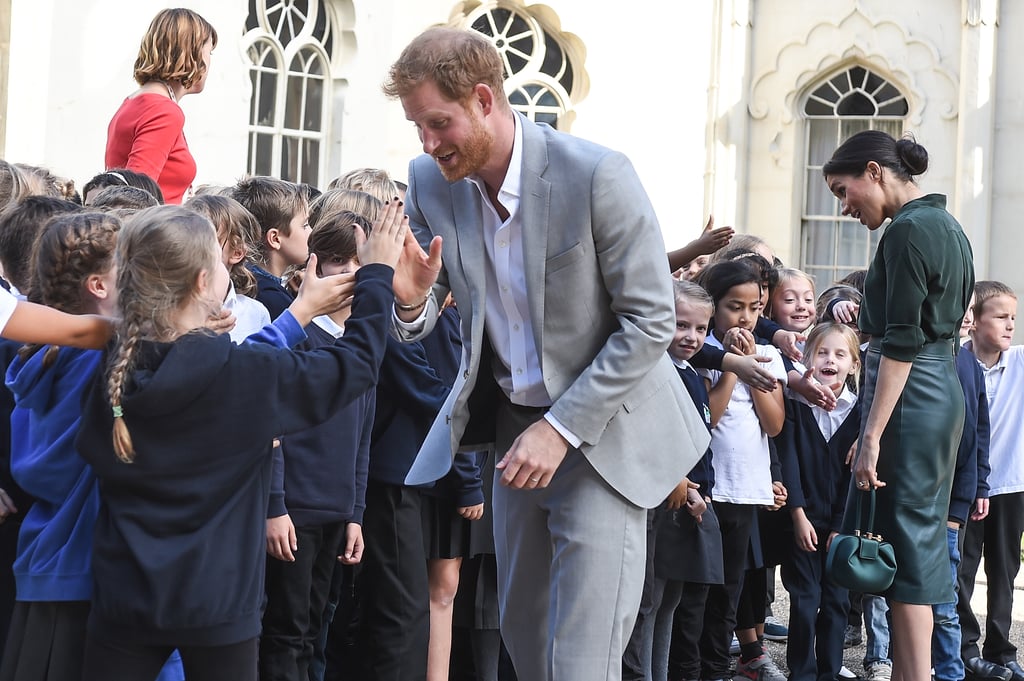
(869, 527)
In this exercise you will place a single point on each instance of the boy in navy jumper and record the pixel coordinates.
(282, 211)
(969, 498)
(317, 492)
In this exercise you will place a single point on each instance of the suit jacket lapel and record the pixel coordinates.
(469, 240)
(534, 207)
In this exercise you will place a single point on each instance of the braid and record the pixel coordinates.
(161, 253)
(71, 247)
(121, 361)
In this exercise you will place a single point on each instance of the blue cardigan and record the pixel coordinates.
(55, 543)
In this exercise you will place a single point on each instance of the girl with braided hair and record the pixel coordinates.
(179, 432)
(73, 271)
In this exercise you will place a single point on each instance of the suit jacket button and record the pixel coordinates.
(465, 374)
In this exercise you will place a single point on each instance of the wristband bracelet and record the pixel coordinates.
(412, 308)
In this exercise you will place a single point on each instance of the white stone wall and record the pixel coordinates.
(702, 95)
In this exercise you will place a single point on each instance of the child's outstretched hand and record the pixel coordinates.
(845, 311)
(711, 239)
(815, 393)
(786, 342)
(321, 295)
(386, 240)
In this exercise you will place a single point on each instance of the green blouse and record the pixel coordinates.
(921, 279)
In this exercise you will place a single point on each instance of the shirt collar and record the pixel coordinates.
(512, 183)
(329, 325)
(1000, 363)
(681, 363)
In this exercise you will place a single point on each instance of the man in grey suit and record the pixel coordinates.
(555, 259)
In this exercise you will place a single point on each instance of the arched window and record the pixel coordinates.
(856, 99)
(541, 80)
(289, 51)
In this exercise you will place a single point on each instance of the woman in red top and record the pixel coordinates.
(146, 134)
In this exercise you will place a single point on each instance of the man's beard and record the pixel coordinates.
(471, 154)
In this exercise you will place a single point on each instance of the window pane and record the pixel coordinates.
(293, 103)
(289, 158)
(261, 154)
(311, 162)
(821, 141)
(549, 118)
(265, 94)
(820, 200)
(314, 104)
(856, 104)
(853, 244)
(820, 243)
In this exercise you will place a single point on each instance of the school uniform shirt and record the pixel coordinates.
(319, 474)
(742, 457)
(250, 314)
(1003, 383)
(812, 448)
(179, 553)
(54, 555)
(8, 302)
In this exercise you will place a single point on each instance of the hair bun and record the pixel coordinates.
(913, 156)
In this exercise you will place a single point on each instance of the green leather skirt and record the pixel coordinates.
(916, 461)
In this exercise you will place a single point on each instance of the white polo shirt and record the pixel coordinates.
(1003, 384)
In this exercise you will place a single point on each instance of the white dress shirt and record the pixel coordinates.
(507, 311)
(250, 315)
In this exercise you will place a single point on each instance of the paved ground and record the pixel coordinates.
(853, 657)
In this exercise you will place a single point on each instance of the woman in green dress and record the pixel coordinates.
(915, 296)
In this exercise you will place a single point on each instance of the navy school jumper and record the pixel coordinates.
(179, 552)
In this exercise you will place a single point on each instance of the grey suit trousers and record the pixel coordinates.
(571, 561)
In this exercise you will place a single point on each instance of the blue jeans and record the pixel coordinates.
(946, 628)
(876, 629)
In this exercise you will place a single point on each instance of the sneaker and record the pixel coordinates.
(852, 637)
(761, 668)
(774, 630)
(734, 647)
(845, 673)
(879, 671)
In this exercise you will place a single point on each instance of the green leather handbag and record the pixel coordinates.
(862, 561)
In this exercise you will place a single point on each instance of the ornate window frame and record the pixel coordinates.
(289, 46)
(544, 74)
(853, 98)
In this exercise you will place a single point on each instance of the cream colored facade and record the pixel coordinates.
(707, 97)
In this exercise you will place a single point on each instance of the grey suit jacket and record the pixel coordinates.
(601, 303)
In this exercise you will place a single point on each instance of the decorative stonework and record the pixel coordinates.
(912, 63)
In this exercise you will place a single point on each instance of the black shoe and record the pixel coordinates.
(1015, 669)
(980, 669)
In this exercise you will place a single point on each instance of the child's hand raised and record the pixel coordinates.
(387, 238)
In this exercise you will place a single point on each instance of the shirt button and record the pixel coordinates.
(519, 372)
(502, 244)
(515, 327)
(504, 289)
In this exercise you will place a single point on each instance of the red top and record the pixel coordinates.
(146, 135)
